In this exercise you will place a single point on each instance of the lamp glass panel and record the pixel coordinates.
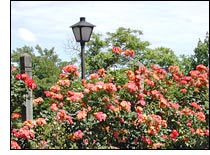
(86, 32)
(76, 31)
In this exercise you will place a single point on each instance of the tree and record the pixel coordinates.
(46, 66)
(95, 57)
(99, 51)
(161, 56)
(15, 55)
(185, 63)
(127, 38)
(200, 56)
(201, 53)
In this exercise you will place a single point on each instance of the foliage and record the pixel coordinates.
(115, 110)
(21, 84)
(127, 38)
(200, 56)
(45, 66)
(18, 90)
(99, 55)
(185, 63)
(161, 56)
(201, 53)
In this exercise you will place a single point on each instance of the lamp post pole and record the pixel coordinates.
(82, 32)
(83, 59)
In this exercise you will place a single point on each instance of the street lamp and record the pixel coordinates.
(82, 32)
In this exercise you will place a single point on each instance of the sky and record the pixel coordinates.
(177, 25)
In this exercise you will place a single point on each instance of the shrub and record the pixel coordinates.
(170, 111)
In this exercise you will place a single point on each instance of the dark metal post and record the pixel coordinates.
(83, 59)
(27, 106)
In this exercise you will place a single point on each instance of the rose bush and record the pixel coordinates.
(20, 83)
(170, 111)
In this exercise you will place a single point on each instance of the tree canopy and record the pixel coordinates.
(201, 52)
(46, 66)
(99, 51)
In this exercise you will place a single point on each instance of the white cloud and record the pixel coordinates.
(26, 35)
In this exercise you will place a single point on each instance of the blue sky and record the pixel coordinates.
(174, 24)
